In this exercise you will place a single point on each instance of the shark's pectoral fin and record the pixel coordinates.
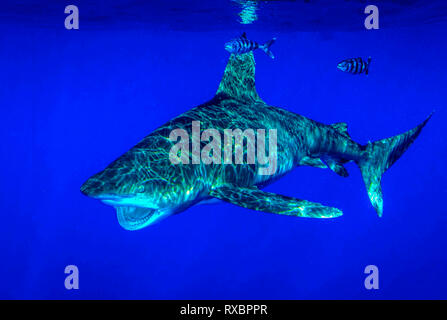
(335, 166)
(253, 198)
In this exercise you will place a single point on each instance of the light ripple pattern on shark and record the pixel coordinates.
(144, 186)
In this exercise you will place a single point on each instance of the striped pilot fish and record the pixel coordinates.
(243, 45)
(354, 65)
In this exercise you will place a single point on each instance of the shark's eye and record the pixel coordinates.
(140, 189)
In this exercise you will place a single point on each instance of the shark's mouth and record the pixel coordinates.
(134, 218)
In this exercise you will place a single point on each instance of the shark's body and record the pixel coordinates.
(144, 186)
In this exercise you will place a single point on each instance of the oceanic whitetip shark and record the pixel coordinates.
(144, 185)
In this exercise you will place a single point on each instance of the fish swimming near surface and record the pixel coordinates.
(355, 65)
(144, 185)
(243, 45)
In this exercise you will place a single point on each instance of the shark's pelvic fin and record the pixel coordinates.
(313, 162)
(253, 198)
(379, 156)
(238, 81)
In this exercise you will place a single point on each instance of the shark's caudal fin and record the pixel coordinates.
(266, 48)
(238, 81)
(379, 156)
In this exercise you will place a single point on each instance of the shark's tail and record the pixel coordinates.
(266, 48)
(379, 156)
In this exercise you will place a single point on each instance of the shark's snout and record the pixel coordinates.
(101, 189)
(97, 190)
(104, 184)
(91, 188)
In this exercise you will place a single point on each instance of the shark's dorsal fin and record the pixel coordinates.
(238, 81)
(244, 36)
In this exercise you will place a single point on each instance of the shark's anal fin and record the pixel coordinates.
(335, 166)
(238, 81)
(255, 199)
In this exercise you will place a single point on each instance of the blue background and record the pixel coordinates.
(73, 101)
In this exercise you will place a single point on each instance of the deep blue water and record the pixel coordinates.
(74, 100)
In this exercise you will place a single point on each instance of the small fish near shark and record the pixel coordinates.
(242, 45)
(144, 186)
(355, 65)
